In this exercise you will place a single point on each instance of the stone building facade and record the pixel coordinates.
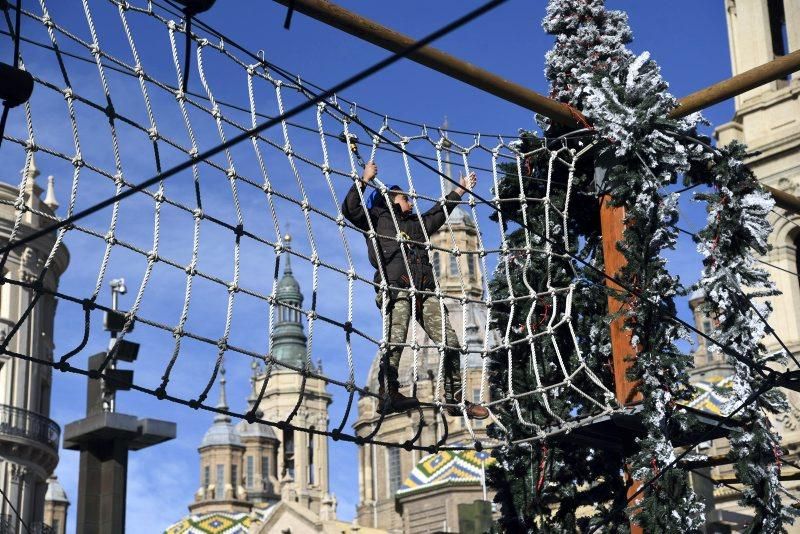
(767, 120)
(385, 473)
(29, 439)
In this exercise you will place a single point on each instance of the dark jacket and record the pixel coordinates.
(390, 257)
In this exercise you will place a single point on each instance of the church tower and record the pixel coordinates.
(767, 120)
(29, 439)
(221, 456)
(301, 466)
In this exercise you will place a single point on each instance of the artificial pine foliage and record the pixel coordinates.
(541, 485)
(642, 152)
(734, 286)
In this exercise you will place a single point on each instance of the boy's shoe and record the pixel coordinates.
(473, 411)
(396, 402)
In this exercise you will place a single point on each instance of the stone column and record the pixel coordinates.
(792, 10)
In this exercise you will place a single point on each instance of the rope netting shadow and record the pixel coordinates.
(205, 250)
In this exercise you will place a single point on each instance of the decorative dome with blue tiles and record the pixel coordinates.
(446, 468)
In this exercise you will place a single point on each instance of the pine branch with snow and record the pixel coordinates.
(736, 231)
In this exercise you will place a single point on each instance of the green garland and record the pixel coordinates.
(736, 232)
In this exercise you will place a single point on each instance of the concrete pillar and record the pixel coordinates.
(101, 488)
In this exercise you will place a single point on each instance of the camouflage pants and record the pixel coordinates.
(429, 316)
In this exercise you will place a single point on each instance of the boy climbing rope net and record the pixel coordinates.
(400, 258)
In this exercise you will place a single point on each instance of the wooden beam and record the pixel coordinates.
(447, 64)
(741, 83)
(431, 57)
(784, 200)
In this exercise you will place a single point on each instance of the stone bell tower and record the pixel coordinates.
(302, 459)
(29, 440)
(767, 120)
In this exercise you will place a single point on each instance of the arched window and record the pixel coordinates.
(311, 466)
(250, 472)
(219, 486)
(265, 481)
(453, 265)
(777, 27)
(288, 452)
(395, 474)
(436, 264)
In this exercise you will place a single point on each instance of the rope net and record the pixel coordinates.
(204, 252)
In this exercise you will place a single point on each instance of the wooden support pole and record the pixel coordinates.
(741, 83)
(440, 61)
(623, 353)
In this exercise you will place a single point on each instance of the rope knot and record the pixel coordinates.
(110, 239)
(233, 287)
(177, 332)
(152, 133)
(197, 213)
(222, 344)
(77, 161)
(152, 256)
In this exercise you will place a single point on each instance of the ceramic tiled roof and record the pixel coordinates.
(446, 468)
(710, 395)
(212, 523)
(220, 522)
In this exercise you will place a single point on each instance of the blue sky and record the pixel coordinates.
(687, 38)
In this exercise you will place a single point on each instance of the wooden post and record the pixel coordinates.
(612, 224)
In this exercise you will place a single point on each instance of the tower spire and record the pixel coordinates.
(287, 243)
(253, 397)
(50, 199)
(223, 400)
